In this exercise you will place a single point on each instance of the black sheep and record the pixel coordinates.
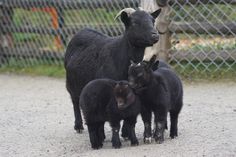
(160, 92)
(108, 100)
(92, 55)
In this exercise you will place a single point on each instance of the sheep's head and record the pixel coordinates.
(140, 74)
(123, 94)
(139, 26)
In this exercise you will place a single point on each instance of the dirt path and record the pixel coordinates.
(36, 119)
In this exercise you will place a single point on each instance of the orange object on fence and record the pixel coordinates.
(55, 23)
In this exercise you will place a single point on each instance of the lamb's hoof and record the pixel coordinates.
(79, 129)
(159, 140)
(116, 145)
(126, 138)
(135, 143)
(147, 140)
(125, 135)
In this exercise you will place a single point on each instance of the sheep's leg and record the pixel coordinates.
(101, 132)
(115, 135)
(147, 117)
(132, 135)
(125, 130)
(174, 123)
(78, 118)
(94, 140)
(160, 124)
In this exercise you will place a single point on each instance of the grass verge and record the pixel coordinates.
(36, 68)
(193, 71)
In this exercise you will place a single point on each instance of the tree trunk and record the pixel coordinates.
(162, 47)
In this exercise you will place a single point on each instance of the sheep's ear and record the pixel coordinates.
(156, 13)
(125, 18)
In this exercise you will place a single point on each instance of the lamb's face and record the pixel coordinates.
(124, 95)
(138, 75)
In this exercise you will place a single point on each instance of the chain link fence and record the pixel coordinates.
(203, 32)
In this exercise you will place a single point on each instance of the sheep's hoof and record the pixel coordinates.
(97, 146)
(79, 129)
(148, 140)
(173, 136)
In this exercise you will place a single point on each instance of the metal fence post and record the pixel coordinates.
(162, 48)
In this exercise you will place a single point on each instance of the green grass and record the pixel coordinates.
(188, 71)
(36, 68)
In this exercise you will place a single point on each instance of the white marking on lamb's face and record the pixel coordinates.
(159, 125)
(140, 74)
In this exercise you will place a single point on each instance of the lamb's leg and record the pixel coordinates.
(78, 118)
(160, 124)
(174, 123)
(147, 117)
(115, 135)
(131, 121)
(125, 130)
(94, 140)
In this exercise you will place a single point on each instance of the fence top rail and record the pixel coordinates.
(77, 4)
(70, 4)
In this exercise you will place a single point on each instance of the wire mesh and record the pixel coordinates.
(35, 32)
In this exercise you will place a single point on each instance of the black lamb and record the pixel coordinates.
(160, 92)
(92, 55)
(104, 100)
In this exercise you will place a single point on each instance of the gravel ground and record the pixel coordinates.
(36, 119)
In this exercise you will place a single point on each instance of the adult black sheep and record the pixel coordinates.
(91, 54)
(160, 92)
(104, 100)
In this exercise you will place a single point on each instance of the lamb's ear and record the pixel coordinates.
(152, 61)
(156, 13)
(132, 62)
(155, 65)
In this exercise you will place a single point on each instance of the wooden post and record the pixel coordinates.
(162, 48)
